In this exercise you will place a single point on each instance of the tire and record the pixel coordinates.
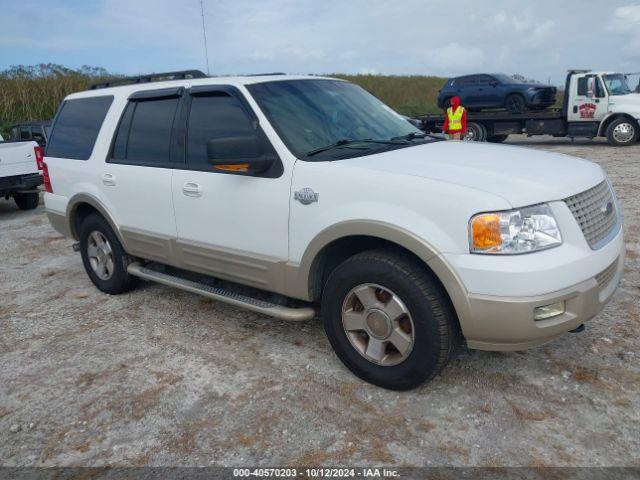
(427, 318)
(114, 279)
(515, 103)
(496, 138)
(26, 201)
(622, 132)
(476, 132)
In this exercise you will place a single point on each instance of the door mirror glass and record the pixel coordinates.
(591, 87)
(238, 154)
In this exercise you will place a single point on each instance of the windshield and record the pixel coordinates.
(616, 84)
(312, 114)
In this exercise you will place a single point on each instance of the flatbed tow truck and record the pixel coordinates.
(595, 104)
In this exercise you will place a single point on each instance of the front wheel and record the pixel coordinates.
(388, 319)
(515, 103)
(26, 201)
(622, 132)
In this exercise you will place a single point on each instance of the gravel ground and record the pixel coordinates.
(162, 377)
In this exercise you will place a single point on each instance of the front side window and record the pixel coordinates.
(76, 128)
(311, 114)
(213, 116)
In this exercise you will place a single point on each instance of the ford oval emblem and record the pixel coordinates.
(306, 196)
(607, 208)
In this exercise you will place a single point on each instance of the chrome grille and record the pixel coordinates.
(605, 276)
(594, 215)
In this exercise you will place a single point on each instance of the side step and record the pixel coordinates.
(222, 295)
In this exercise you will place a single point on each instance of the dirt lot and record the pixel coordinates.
(163, 377)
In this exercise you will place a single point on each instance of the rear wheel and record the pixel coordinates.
(515, 103)
(476, 132)
(104, 259)
(26, 201)
(622, 132)
(388, 320)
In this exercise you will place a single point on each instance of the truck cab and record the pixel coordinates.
(604, 104)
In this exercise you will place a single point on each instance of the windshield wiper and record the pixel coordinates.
(345, 142)
(414, 136)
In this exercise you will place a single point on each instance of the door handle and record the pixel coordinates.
(191, 189)
(108, 179)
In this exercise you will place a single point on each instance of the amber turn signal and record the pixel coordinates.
(240, 167)
(485, 231)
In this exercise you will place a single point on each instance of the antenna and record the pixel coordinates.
(204, 34)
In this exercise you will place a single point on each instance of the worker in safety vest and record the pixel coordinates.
(455, 120)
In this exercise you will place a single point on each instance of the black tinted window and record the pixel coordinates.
(25, 134)
(467, 80)
(582, 86)
(150, 132)
(214, 116)
(76, 128)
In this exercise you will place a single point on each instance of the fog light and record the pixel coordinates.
(548, 311)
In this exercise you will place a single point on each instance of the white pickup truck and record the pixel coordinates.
(20, 172)
(314, 196)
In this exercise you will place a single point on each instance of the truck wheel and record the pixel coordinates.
(496, 138)
(26, 201)
(622, 132)
(388, 320)
(104, 259)
(476, 132)
(515, 103)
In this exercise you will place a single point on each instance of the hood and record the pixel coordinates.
(522, 176)
(629, 103)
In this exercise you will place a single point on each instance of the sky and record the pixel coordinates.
(538, 39)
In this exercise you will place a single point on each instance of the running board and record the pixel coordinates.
(222, 295)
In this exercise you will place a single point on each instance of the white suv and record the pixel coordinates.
(287, 195)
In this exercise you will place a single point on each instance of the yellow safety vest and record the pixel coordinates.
(455, 118)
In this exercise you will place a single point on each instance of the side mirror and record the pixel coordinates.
(238, 154)
(591, 87)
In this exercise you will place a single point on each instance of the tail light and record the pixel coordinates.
(39, 157)
(46, 179)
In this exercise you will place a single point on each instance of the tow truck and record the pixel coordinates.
(595, 104)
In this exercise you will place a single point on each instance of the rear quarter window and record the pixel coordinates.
(76, 128)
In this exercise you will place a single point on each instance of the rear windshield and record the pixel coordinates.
(76, 127)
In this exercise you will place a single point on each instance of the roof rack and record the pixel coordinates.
(152, 77)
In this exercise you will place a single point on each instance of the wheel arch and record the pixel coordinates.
(82, 205)
(335, 244)
(604, 124)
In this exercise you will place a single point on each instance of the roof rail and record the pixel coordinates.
(152, 77)
(264, 74)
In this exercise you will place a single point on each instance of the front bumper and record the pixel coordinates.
(507, 323)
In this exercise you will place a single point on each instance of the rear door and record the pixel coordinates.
(136, 179)
(230, 226)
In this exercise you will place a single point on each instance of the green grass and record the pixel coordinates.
(410, 95)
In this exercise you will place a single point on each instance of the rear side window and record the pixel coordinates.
(213, 116)
(76, 127)
(145, 132)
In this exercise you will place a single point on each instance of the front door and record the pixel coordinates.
(588, 101)
(230, 226)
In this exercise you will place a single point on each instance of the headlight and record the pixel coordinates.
(514, 231)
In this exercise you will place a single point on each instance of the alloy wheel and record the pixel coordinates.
(100, 255)
(378, 324)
